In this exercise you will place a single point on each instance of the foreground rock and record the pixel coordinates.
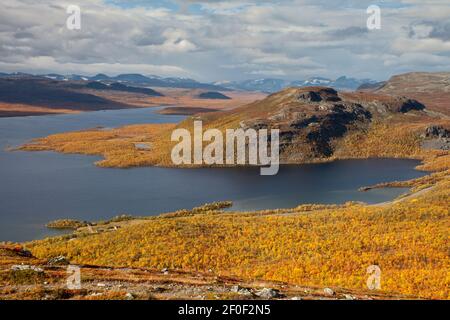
(436, 131)
(436, 137)
(267, 293)
(31, 278)
(328, 292)
(58, 261)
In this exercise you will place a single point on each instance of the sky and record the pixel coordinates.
(219, 40)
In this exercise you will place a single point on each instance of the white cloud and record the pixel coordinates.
(44, 64)
(225, 39)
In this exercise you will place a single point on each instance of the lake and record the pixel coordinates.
(37, 187)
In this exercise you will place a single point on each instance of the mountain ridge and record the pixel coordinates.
(129, 78)
(267, 85)
(430, 88)
(272, 85)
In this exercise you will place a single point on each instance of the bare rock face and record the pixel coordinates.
(310, 96)
(59, 260)
(318, 116)
(436, 137)
(318, 95)
(384, 105)
(406, 105)
(436, 132)
(256, 124)
(333, 123)
(268, 293)
(329, 292)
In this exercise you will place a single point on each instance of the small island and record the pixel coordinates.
(67, 224)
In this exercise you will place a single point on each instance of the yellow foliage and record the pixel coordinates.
(329, 246)
(309, 245)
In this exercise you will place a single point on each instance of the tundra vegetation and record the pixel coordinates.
(66, 224)
(311, 245)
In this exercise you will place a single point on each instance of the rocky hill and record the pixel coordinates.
(313, 121)
(116, 86)
(431, 89)
(213, 95)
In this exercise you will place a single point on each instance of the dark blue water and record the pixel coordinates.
(37, 187)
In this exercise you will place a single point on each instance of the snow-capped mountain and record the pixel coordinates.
(264, 85)
(270, 85)
(156, 81)
(132, 79)
(316, 81)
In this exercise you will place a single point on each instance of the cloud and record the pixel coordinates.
(45, 63)
(431, 29)
(216, 40)
(350, 32)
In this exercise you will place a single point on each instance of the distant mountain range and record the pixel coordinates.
(274, 85)
(116, 86)
(54, 95)
(268, 85)
(133, 78)
(263, 85)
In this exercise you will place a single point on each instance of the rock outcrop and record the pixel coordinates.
(436, 137)
(435, 131)
(311, 120)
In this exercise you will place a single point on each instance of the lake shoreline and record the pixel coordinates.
(59, 186)
(136, 219)
(96, 227)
